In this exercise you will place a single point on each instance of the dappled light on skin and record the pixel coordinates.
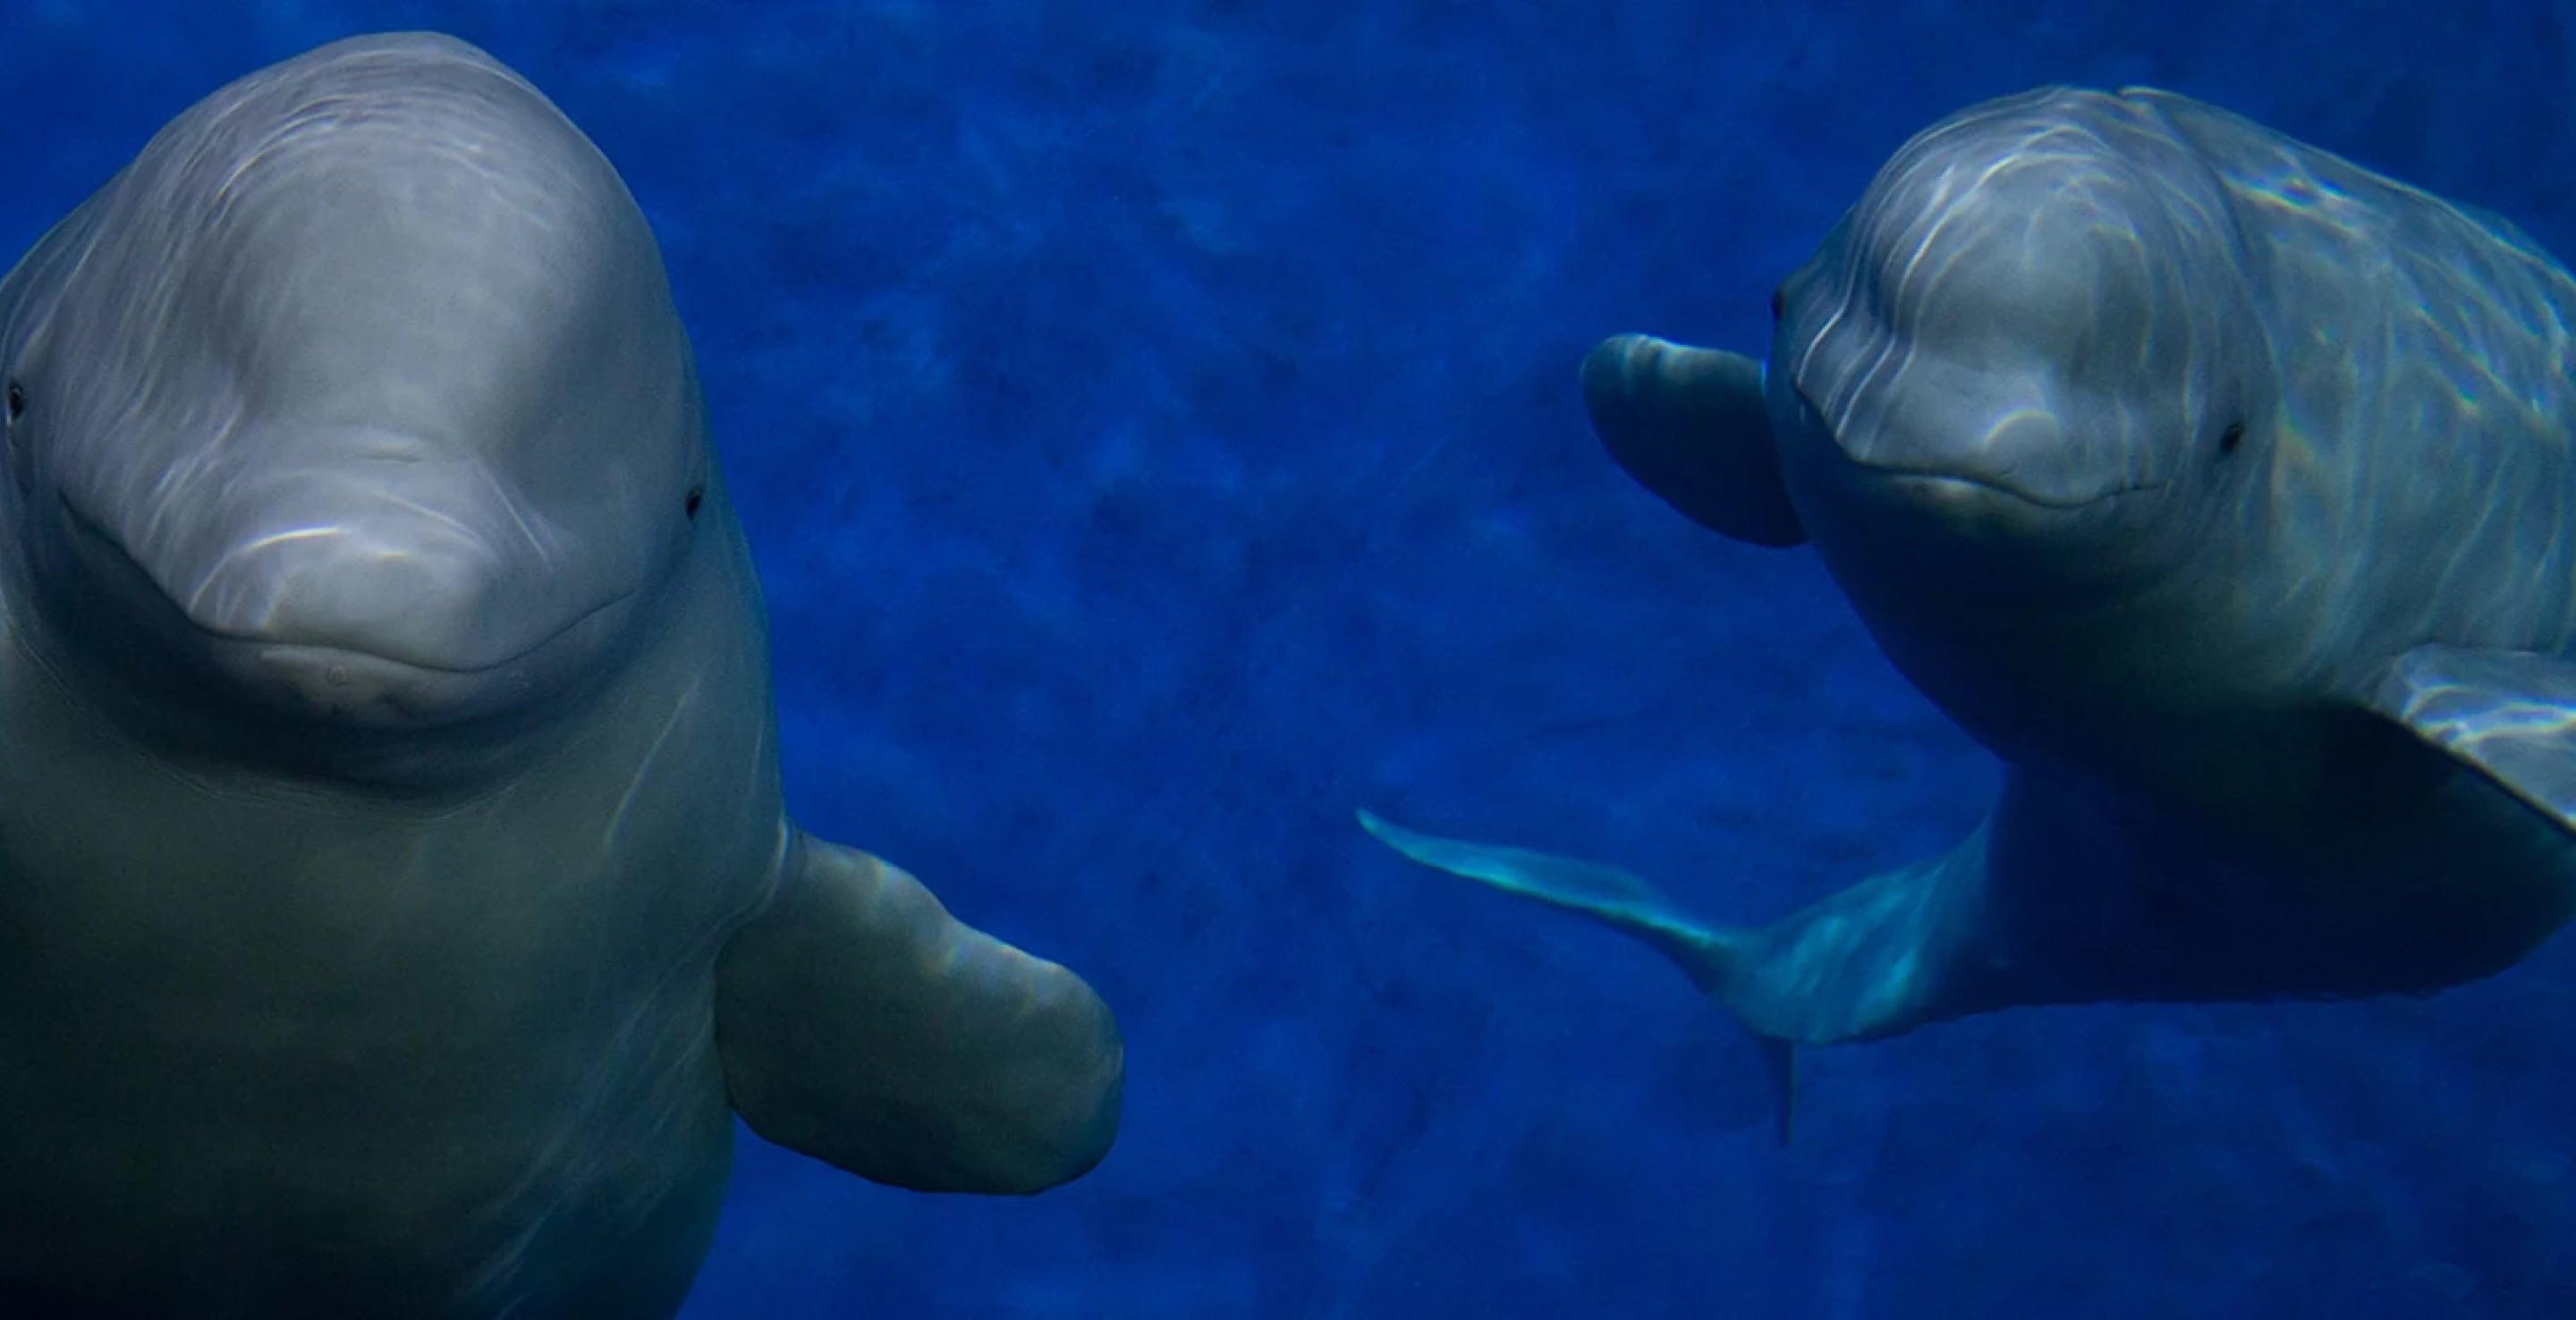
(2499, 711)
(2219, 488)
(2065, 307)
(1862, 964)
(281, 538)
(2432, 353)
(2019, 269)
(340, 327)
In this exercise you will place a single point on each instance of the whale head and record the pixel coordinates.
(2034, 335)
(358, 397)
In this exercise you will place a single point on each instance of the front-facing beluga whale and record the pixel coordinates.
(2222, 488)
(396, 900)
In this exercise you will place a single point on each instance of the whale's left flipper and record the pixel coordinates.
(864, 1026)
(2511, 715)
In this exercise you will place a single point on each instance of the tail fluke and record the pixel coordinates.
(1714, 958)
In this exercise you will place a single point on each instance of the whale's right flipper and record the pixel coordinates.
(1690, 425)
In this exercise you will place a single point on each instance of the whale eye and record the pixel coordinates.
(16, 448)
(2232, 437)
(697, 496)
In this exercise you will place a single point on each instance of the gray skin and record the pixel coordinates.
(2219, 486)
(396, 896)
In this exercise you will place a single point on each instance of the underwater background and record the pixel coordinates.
(1156, 427)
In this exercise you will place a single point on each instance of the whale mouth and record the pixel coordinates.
(1951, 489)
(1918, 481)
(305, 671)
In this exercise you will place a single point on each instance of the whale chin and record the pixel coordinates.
(336, 685)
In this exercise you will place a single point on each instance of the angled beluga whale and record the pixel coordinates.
(2224, 490)
(396, 896)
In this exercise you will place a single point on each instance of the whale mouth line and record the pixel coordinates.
(106, 542)
(1950, 480)
(1939, 479)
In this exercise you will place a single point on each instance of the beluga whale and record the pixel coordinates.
(2226, 491)
(396, 901)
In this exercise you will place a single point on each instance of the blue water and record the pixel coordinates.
(1156, 426)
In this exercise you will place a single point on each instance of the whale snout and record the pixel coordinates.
(1976, 452)
(2038, 309)
(360, 396)
(341, 628)
(345, 596)
(1998, 436)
